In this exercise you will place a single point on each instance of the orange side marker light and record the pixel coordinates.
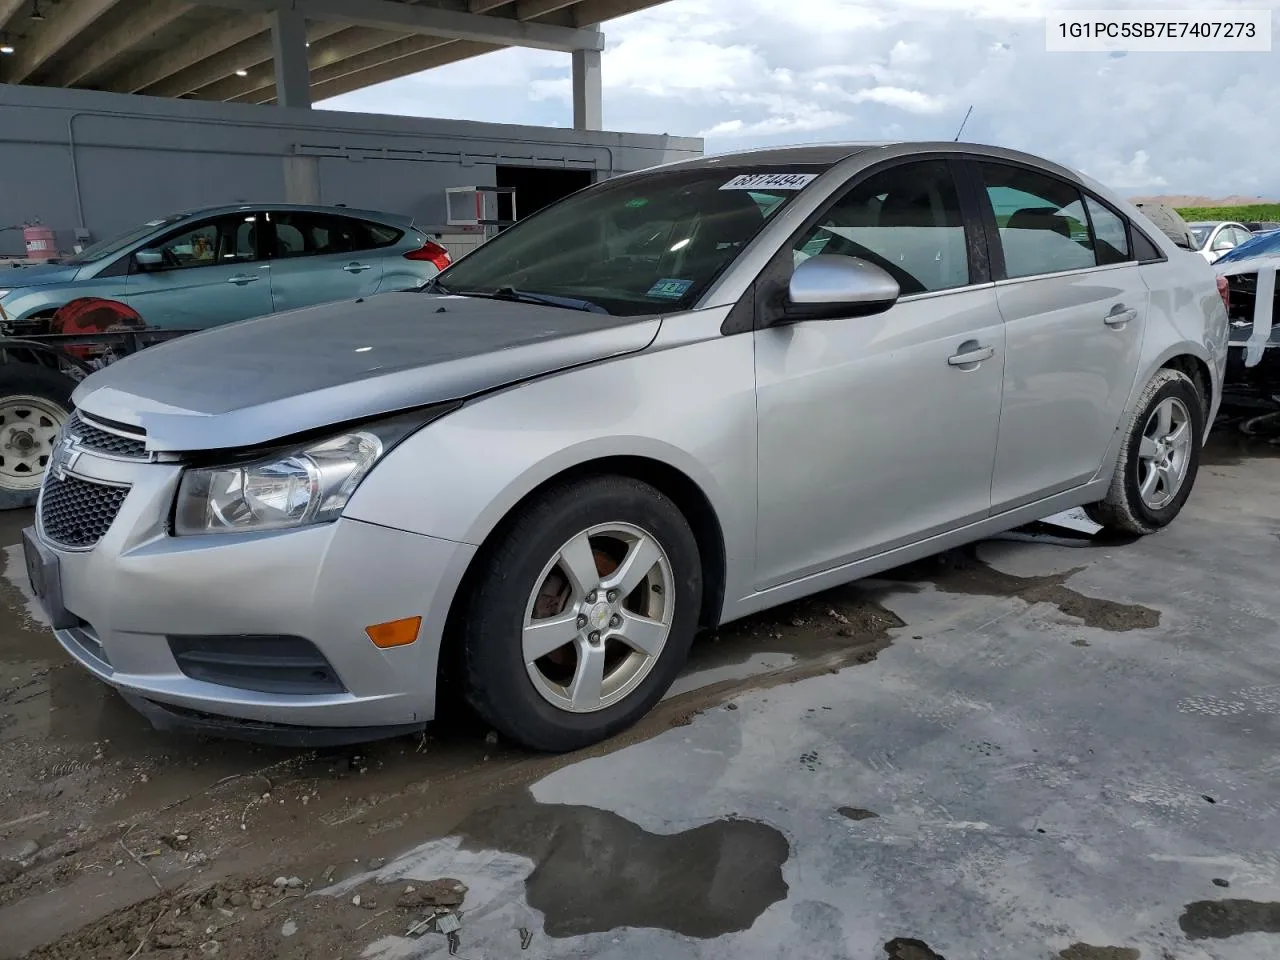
(395, 633)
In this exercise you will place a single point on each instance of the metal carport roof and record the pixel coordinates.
(226, 49)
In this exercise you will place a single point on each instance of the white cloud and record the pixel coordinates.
(752, 72)
(914, 101)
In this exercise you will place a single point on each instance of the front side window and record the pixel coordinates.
(906, 219)
(225, 240)
(1041, 219)
(644, 244)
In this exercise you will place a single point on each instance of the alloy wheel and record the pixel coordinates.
(598, 618)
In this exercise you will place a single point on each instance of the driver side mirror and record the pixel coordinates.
(827, 287)
(148, 259)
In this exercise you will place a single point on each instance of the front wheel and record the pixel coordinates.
(1159, 458)
(582, 613)
(35, 403)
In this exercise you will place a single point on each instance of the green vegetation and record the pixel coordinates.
(1256, 211)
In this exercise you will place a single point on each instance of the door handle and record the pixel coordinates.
(357, 267)
(241, 279)
(975, 354)
(1120, 316)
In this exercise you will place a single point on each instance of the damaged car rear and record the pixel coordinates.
(671, 400)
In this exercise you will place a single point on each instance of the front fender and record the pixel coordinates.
(27, 302)
(688, 405)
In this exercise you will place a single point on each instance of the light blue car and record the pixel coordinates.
(173, 275)
(211, 266)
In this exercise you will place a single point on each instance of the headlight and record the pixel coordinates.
(291, 488)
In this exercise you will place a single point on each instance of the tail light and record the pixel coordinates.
(1224, 291)
(432, 252)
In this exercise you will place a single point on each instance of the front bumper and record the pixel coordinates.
(137, 589)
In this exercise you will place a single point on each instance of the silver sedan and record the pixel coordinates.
(671, 400)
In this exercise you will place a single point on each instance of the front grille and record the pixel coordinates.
(77, 513)
(94, 438)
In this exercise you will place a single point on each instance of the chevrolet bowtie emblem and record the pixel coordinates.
(65, 456)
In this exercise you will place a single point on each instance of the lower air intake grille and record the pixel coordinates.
(77, 513)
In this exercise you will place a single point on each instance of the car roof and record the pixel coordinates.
(830, 154)
(400, 220)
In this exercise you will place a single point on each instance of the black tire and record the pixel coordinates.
(30, 379)
(497, 684)
(1123, 510)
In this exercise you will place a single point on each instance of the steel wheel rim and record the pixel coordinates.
(29, 428)
(598, 617)
(1164, 453)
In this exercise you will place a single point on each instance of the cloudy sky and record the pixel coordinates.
(751, 72)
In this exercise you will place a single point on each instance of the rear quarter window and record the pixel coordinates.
(381, 235)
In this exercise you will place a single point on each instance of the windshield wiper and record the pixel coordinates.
(433, 286)
(525, 296)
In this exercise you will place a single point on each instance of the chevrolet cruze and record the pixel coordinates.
(668, 401)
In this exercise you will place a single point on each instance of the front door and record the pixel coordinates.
(1074, 305)
(878, 431)
(320, 258)
(208, 274)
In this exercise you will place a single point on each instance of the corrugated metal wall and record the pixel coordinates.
(106, 162)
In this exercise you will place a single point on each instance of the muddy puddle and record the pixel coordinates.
(595, 871)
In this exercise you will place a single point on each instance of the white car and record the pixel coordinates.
(1213, 238)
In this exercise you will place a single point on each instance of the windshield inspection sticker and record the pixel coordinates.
(770, 181)
(670, 289)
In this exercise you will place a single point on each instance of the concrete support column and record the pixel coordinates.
(588, 91)
(289, 46)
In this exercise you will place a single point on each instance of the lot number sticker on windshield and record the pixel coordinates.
(670, 289)
(770, 181)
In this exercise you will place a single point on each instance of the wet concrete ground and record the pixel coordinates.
(1045, 746)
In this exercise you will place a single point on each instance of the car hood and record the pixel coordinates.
(35, 274)
(261, 380)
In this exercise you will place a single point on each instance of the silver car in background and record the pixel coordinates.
(671, 400)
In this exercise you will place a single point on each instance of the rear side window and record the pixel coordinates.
(1110, 238)
(1042, 221)
(302, 234)
(905, 219)
(380, 235)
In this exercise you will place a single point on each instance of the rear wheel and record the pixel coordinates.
(35, 403)
(582, 614)
(1159, 459)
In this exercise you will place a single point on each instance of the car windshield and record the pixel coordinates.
(1201, 234)
(1267, 243)
(642, 244)
(112, 245)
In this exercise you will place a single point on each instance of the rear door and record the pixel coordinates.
(210, 274)
(1074, 306)
(321, 257)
